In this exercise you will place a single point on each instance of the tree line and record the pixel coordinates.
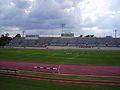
(5, 39)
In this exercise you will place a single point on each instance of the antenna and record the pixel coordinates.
(63, 25)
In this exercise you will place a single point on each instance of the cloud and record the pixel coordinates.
(114, 5)
(103, 14)
(38, 14)
(46, 15)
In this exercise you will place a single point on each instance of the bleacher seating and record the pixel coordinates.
(58, 41)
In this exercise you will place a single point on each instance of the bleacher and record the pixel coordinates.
(58, 41)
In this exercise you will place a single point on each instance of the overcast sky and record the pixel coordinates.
(44, 17)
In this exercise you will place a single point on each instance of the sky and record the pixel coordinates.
(45, 17)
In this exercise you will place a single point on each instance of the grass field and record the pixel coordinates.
(62, 56)
(78, 77)
(58, 56)
(12, 83)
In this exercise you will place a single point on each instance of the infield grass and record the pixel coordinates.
(62, 56)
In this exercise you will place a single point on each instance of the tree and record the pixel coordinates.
(2, 35)
(5, 39)
(18, 35)
(7, 34)
(81, 35)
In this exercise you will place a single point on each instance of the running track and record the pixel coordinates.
(62, 68)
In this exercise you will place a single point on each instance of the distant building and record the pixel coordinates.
(67, 35)
(32, 37)
(108, 36)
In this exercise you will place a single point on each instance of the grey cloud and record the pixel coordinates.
(107, 20)
(21, 4)
(50, 14)
(44, 14)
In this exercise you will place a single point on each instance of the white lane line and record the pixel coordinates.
(59, 69)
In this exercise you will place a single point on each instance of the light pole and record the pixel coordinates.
(63, 25)
(115, 33)
(23, 33)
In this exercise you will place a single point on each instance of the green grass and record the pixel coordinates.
(12, 83)
(66, 76)
(62, 56)
(80, 77)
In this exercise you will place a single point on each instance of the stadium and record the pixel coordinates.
(66, 40)
(66, 59)
(40, 50)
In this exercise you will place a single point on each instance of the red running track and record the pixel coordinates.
(62, 68)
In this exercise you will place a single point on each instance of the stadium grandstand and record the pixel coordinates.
(66, 39)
